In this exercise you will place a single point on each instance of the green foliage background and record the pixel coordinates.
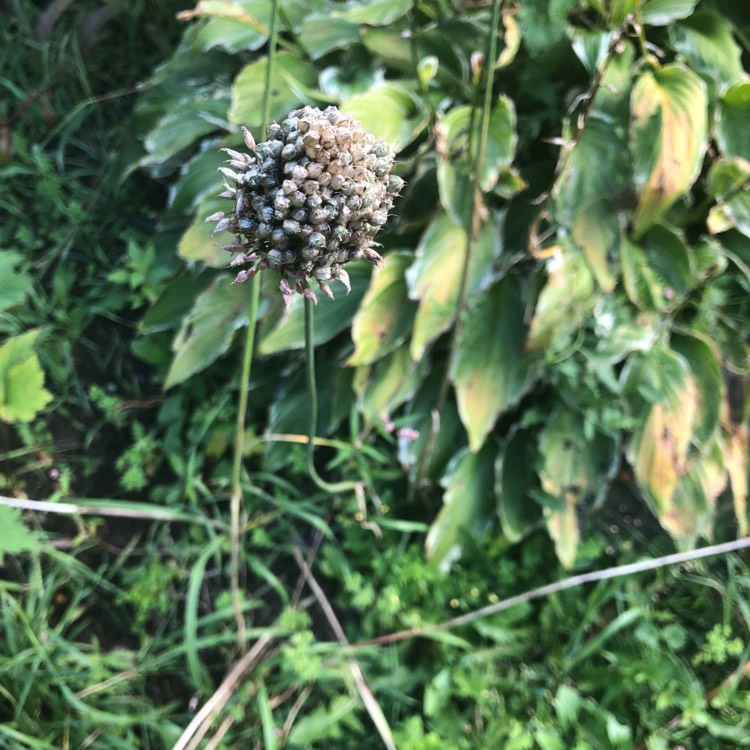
(547, 374)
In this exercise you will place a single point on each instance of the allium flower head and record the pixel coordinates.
(307, 200)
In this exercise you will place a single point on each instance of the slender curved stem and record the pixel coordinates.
(312, 395)
(235, 509)
(471, 230)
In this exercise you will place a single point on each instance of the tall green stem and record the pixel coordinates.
(472, 229)
(312, 394)
(247, 359)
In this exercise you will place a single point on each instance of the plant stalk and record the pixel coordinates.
(312, 395)
(239, 438)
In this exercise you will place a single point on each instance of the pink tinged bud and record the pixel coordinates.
(214, 217)
(286, 292)
(343, 277)
(235, 155)
(247, 274)
(228, 173)
(477, 63)
(325, 289)
(225, 223)
(242, 258)
(233, 248)
(307, 292)
(249, 140)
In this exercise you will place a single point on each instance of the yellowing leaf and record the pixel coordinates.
(197, 242)
(386, 314)
(736, 462)
(680, 483)
(382, 387)
(512, 39)
(435, 276)
(390, 112)
(565, 302)
(490, 371)
(661, 460)
(669, 132)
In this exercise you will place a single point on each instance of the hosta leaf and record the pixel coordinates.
(238, 26)
(656, 376)
(207, 332)
(737, 465)
(687, 512)
(704, 365)
(250, 83)
(656, 272)
(512, 39)
(22, 392)
(729, 184)
(669, 130)
(590, 46)
(571, 468)
(386, 385)
(386, 314)
(732, 116)
(490, 371)
(619, 10)
(515, 478)
(186, 124)
(344, 82)
(564, 303)
(331, 315)
(467, 505)
(706, 40)
(543, 23)
(198, 244)
(435, 276)
(421, 417)
(660, 449)
(663, 12)
(174, 302)
(501, 142)
(375, 12)
(16, 283)
(198, 180)
(322, 33)
(390, 112)
(14, 536)
(595, 177)
(456, 164)
(621, 330)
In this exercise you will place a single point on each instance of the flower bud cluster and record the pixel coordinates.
(307, 200)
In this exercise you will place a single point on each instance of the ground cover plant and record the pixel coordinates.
(546, 375)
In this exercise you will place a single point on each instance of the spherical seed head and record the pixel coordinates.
(307, 161)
